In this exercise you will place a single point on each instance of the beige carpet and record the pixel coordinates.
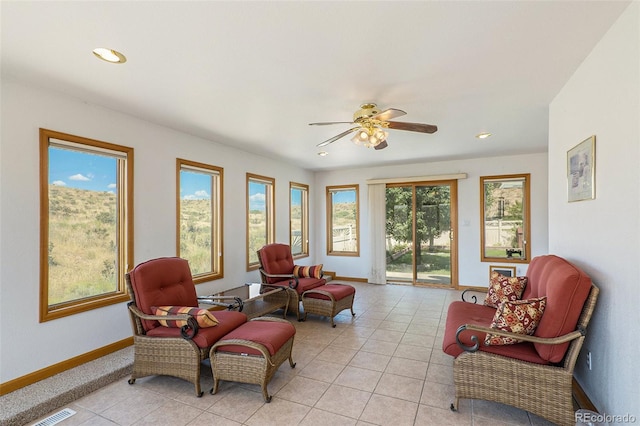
(34, 401)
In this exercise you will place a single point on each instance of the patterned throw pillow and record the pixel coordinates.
(204, 317)
(314, 271)
(503, 288)
(521, 317)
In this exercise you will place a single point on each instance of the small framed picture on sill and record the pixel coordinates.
(507, 271)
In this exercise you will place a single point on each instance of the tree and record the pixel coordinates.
(432, 214)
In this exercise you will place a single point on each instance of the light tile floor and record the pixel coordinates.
(385, 366)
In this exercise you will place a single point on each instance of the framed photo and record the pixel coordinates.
(507, 271)
(581, 172)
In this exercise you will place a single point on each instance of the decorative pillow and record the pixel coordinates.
(314, 271)
(204, 317)
(503, 288)
(521, 317)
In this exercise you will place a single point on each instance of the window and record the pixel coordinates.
(299, 219)
(342, 221)
(260, 216)
(199, 222)
(86, 226)
(505, 218)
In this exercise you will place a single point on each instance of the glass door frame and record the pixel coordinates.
(453, 198)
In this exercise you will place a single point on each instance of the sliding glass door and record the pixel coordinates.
(420, 233)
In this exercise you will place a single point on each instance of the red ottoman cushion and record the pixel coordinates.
(271, 334)
(338, 291)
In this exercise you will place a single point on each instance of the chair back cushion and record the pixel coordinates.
(276, 259)
(164, 281)
(567, 288)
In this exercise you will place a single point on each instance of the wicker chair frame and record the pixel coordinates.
(251, 369)
(170, 356)
(294, 297)
(544, 390)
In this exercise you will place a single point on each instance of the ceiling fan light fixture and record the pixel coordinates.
(483, 135)
(323, 153)
(381, 134)
(371, 124)
(369, 137)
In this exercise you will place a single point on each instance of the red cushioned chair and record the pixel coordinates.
(171, 351)
(276, 269)
(536, 374)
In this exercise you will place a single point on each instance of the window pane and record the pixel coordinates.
(83, 225)
(298, 219)
(343, 219)
(259, 216)
(86, 236)
(505, 217)
(199, 232)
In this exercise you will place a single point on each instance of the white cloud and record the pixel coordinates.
(58, 183)
(257, 201)
(257, 198)
(79, 177)
(198, 195)
(111, 185)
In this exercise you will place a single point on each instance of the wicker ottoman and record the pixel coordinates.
(328, 300)
(252, 353)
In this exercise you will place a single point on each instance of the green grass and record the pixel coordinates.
(434, 262)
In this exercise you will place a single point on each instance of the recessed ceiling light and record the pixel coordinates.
(483, 135)
(323, 153)
(110, 55)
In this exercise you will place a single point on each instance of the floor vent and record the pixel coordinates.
(56, 418)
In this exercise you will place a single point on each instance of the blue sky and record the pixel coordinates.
(256, 196)
(81, 170)
(95, 172)
(194, 185)
(347, 196)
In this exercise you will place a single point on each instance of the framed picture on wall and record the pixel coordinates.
(581, 176)
(507, 271)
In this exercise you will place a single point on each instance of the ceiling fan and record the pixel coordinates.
(371, 124)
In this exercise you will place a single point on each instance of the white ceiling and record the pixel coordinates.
(253, 74)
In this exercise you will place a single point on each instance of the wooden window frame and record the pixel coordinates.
(329, 228)
(270, 212)
(217, 188)
(526, 213)
(124, 230)
(304, 205)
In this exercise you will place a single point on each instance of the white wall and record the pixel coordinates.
(24, 111)
(472, 272)
(602, 236)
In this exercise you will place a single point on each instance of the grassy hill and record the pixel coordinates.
(82, 237)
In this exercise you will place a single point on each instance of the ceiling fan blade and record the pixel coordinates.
(413, 127)
(336, 137)
(381, 145)
(388, 114)
(330, 122)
